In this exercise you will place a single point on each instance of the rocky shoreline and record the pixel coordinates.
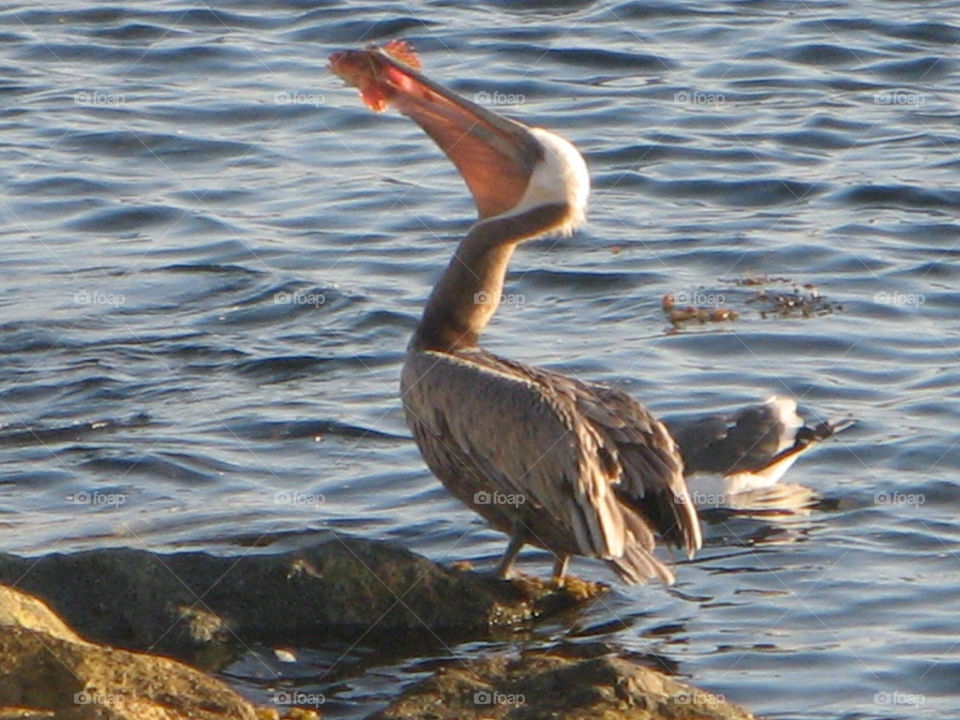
(85, 635)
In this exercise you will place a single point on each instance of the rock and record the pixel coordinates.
(46, 671)
(21, 610)
(183, 603)
(557, 686)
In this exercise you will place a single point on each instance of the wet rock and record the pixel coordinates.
(557, 686)
(183, 603)
(18, 609)
(47, 671)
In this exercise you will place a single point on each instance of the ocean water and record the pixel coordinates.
(214, 256)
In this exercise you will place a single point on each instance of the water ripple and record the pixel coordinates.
(215, 255)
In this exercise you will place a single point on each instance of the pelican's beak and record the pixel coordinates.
(495, 155)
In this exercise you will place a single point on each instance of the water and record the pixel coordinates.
(214, 256)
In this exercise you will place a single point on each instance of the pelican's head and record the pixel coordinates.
(559, 176)
(510, 168)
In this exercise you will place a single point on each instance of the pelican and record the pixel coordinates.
(572, 467)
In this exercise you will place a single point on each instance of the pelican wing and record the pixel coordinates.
(651, 467)
(601, 466)
(515, 438)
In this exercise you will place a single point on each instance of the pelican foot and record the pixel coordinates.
(578, 589)
(564, 590)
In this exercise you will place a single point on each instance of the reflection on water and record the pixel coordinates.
(215, 255)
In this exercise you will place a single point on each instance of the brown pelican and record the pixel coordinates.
(573, 467)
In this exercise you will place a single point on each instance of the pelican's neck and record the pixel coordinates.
(468, 293)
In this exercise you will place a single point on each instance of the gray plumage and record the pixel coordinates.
(737, 460)
(749, 440)
(597, 473)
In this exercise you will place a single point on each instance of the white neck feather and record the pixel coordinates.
(560, 177)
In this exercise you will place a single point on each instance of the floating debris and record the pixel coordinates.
(796, 300)
(799, 301)
(677, 314)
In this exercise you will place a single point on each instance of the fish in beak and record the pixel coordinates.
(495, 155)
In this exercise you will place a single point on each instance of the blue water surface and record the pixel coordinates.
(214, 256)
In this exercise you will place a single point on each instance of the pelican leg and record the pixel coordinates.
(517, 540)
(560, 569)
